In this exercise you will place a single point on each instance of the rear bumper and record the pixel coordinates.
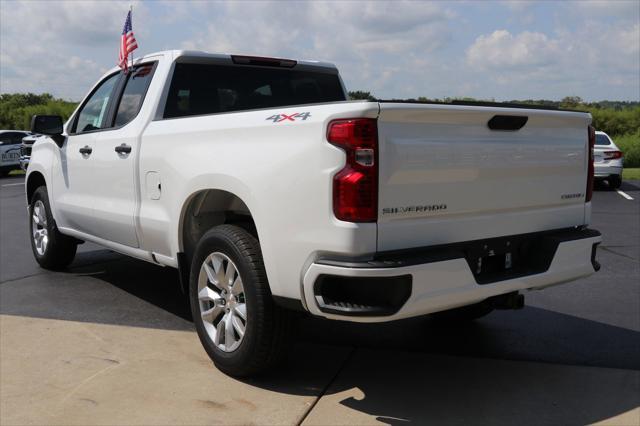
(439, 279)
(605, 171)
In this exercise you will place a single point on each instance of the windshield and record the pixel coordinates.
(602, 140)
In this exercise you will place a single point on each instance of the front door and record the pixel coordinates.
(74, 185)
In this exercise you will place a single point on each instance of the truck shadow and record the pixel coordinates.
(407, 387)
(631, 187)
(526, 367)
(626, 186)
(496, 370)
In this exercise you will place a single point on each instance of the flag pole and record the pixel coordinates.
(131, 12)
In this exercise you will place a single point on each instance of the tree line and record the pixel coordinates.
(16, 109)
(619, 119)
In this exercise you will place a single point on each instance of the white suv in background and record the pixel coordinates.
(607, 160)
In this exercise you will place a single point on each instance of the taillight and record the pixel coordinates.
(612, 155)
(592, 143)
(355, 187)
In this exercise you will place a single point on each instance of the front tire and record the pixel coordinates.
(51, 249)
(240, 327)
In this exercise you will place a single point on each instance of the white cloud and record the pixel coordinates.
(501, 49)
(55, 46)
(592, 57)
(395, 49)
(325, 28)
(373, 43)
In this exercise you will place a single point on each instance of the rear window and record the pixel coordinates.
(208, 89)
(602, 140)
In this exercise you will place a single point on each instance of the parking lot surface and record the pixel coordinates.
(110, 342)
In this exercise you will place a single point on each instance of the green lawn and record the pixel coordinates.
(631, 174)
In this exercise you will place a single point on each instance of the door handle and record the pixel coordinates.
(86, 150)
(123, 149)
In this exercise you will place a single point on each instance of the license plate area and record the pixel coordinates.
(505, 258)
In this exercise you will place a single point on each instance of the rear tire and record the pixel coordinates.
(615, 181)
(228, 279)
(465, 314)
(51, 249)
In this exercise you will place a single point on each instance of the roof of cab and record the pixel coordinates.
(222, 57)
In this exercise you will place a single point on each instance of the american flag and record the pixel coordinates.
(128, 44)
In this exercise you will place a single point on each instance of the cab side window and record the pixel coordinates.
(133, 95)
(93, 114)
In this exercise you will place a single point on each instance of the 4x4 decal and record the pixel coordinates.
(279, 118)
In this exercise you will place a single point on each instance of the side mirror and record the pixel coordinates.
(50, 125)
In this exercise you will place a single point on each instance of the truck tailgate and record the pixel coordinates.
(445, 176)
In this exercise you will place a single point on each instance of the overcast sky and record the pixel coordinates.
(501, 50)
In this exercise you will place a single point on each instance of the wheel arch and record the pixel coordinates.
(35, 180)
(202, 210)
(207, 208)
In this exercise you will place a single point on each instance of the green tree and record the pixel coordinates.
(16, 109)
(360, 95)
(571, 101)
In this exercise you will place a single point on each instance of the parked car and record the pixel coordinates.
(269, 191)
(25, 150)
(607, 160)
(10, 141)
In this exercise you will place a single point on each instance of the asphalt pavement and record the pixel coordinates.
(110, 342)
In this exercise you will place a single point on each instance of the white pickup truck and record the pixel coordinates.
(270, 191)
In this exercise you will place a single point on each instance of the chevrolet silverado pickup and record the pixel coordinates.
(271, 192)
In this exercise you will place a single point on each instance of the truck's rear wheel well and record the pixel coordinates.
(210, 208)
(35, 181)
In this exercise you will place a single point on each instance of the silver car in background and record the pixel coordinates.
(607, 160)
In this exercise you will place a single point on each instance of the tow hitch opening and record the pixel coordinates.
(512, 300)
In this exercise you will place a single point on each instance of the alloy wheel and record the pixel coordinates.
(222, 301)
(39, 227)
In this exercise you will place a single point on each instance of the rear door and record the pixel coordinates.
(446, 176)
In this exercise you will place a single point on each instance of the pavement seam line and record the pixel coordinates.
(10, 280)
(102, 262)
(324, 390)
